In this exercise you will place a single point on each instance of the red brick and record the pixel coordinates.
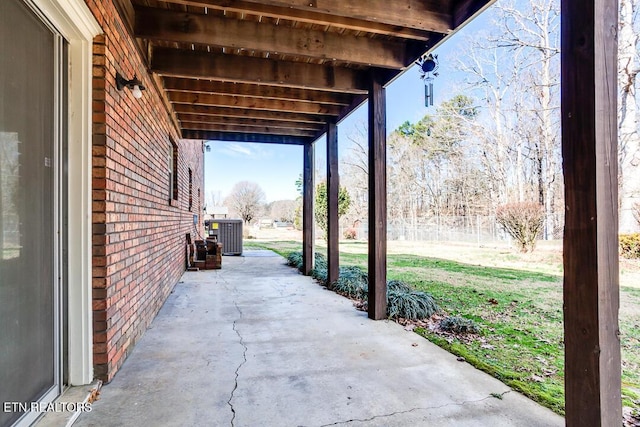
(138, 229)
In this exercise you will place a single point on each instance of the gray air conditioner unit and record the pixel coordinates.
(228, 232)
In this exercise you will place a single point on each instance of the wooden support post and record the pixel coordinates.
(333, 187)
(589, 150)
(308, 223)
(377, 199)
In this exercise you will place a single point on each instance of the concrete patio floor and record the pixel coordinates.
(257, 344)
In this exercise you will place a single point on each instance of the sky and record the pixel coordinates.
(277, 167)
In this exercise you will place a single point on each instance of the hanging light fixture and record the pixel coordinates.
(428, 64)
(134, 84)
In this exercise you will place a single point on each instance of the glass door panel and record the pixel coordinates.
(28, 216)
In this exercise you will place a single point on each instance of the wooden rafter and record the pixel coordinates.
(245, 137)
(266, 65)
(248, 113)
(376, 23)
(253, 103)
(466, 10)
(183, 63)
(263, 91)
(158, 24)
(220, 120)
(265, 130)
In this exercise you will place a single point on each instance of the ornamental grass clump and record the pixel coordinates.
(352, 282)
(320, 261)
(403, 301)
(320, 274)
(459, 325)
(398, 286)
(294, 259)
(319, 271)
(409, 304)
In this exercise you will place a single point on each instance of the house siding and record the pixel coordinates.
(139, 230)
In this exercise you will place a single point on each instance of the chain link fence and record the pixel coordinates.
(472, 229)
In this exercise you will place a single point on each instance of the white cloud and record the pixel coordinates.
(236, 150)
(244, 150)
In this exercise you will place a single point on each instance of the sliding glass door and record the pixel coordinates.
(31, 96)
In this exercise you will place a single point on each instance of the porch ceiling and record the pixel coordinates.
(279, 70)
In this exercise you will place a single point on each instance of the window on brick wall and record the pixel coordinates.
(190, 189)
(173, 172)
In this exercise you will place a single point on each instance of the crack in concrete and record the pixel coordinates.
(493, 395)
(237, 372)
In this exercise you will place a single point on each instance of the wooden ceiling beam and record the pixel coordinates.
(245, 113)
(465, 10)
(439, 22)
(246, 69)
(253, 103)
(245, 137)
(263, 91)
(201, 118)
(264, 130)
(168, 25)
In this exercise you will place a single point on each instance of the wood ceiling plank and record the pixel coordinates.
(264, 91)
(158, 24)
(264, 130)
(399, 18)
(465, 10)
(253, 103)
(201, 118)
(246, 113)
(182, 63)
(245, 137)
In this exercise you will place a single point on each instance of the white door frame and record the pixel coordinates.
(74, 21)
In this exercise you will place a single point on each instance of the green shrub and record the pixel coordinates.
(294, 259)
(523, 221)
(320, 261)
(399, 286)
(630, 245)
(410, 305)
(402, 299)
(459, 325)
(320, 274)
(352, 282)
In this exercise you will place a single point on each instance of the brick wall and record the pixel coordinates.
(138, 228)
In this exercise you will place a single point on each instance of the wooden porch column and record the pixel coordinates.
(308, 223)
(377, 199)
(589, 150)
(333, 186)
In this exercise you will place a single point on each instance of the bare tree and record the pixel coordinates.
(214, 199)
(355, 175)
(516, 72)
(246, 200)
(628, 138)
(432, 166)
(534, 33)
(283, 210)
(491, 74)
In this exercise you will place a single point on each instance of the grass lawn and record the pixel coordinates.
(518, 309)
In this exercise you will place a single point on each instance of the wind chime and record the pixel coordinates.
(428, 64)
